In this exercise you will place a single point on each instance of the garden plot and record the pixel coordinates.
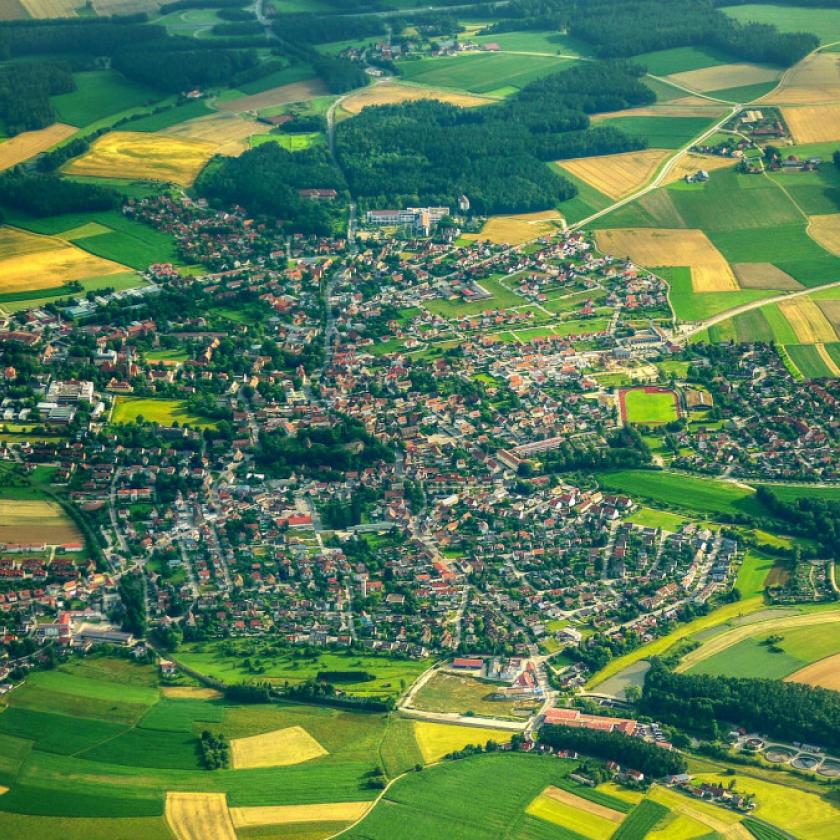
(617, 175)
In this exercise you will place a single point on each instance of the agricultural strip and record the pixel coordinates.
(292, 745)
(721, 820)
(580, 820)
(724, 76)
(814, 81)
(283, 814)
(228, 132)
(199, 816)
(825, 229)
(825, 673)
(33, 522)
(393, 93)
(807, 320)
(30, 143)
(764, 276)
(616, 175)
(283, 95)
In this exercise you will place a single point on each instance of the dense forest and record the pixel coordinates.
(632, 753)
(706, 704)
(429, 152)
(49, 195)
(819, 518)
(25, 91)
(266, 180)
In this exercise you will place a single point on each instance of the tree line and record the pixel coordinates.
(814, 517)
(49, 195)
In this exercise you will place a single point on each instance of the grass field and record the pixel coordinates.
(98, 94)
(753, 573)
(643, 405)
(171, 117)
(679, 59)
(661, 132)
(436, 740)
(290, 142)
(23, 146)
(564, 809)
(161, 411)
(456, 693)
(501, 298)
(725, 76)
(156, 157)
(824, 23)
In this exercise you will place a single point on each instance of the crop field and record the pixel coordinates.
(586, 818)
(690, 162)
(764, 276)
(809, 324)
(824, 673)
(814, 81)
(282, 95)
(292, 745)
(228, 132)
(516, 229)
(160, 411)
(462, 694)
(31, 522)
(831, 310)
(663, 132)
(285, 814)
(190, 692)
(197, 816)
(99, 94)
(684, 105)
(59, 828)
(13, 10)
(648, 405)
(50, 8)
(814, 361)
(825, 228)
(813, 123)
(391, 93)
(23, 146)
(483, 73)
(172, 116)
(714, 819)
(156, 157)
(824, 23)
(661, 247)
(435, 740)
(616, 175)
(725, 76)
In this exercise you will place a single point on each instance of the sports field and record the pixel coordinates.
(161, 411)
(648, 405)
(23, 146)
(155, 157)
(292, 745)
(617, 175)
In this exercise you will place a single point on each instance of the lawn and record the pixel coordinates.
(650, 408)
(98, 94)
(651, 518)
(824, 23)
(462, 694)
(160, 411)
(661, 132)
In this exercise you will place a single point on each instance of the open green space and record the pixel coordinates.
(744, 93)
(822, 22)
(161, 411)
(652, 518)
(661, 132)
(169, 117)
(285, 76)
(464, 695)
(18, 301)
(649, 408)
(680, 59)
(535, 42)
(815, 192)
(98, 94)
(501, 298)
(587, 201)
(753, 572)
(290, 142)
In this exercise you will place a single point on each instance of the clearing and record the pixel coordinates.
(813, 123)
(390, 93)
(139, 155)
(199, 816)
(616, 175)
(23, 146)
(283, 814)
(35, 522)
(652, 247)
(292, 745)
(808, 321)
(825, 673)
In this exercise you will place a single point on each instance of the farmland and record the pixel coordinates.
(30, 143)
(518, 228)
(32, 522)
(292, 745)
(161, 411)
(665, 132)
(390, 93)
(825, 23)
(98, 94)
(824, 673)
(616, 175)
(436, 740)
(814, 123)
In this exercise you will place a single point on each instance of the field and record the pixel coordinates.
(563, 808)
(282, 95)
(690, 162)
(825, 23)
(197, 816)
(807, 320)
(648, 405)
(514, 230)
(156, 157)
(99, 94)
(228, 133)
(725, 76)
(679, 59)
(825, 229)
(44, 262)
(813, 123)
(292, 745)
(764, 276)
(661, 247)
(32, 522)
(661, 132)
(160, 411)
(483, 73)
(435, 740)
(390, 93)
(462, 694)
(292, 142)
(616, 175)
(30, 143)
(285, 814)
(824, 673)
(814, 81)
(50, 8)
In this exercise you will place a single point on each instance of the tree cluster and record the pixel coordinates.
(819, 518)
(132, 595)
(214, 750)
(49, 195)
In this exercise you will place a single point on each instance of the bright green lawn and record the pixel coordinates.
(160, 411)
(651, 518)
(642, 407)
(753, 572)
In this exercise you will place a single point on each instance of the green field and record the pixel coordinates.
(462, 694)
(808, 360)
(652, 518)
(483, 73)
(160, 411)
(744, 93)
(170, 117)
(98, 94)
(18, 301)
(824, 23)
(535, 42)
(661, 132)
(290, 142)
(587, 201)
(680, 59)
(753, 572)
(286, 76)
(654, 408)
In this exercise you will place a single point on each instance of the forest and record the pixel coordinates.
(429, 152)
(811, 516)
(49, 195)
(650, 759)
(25, 91)
(708, 704)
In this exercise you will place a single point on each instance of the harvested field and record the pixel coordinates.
(814, 81)
(33, 522)
(825, 356)
(199, 816)
(616, 175)
(106, 8)
(29, 261)
(825, 230)
(280, 748)
(513, 230)
(283, 95)
(568, 798)
(389, 94)
(190, 692)
(807, 320)
(144, 156)
(51, 8)
(724, 76)
(685, 106)
(13, 10)
(825, 673)
(813, 123)
(651, 247)
(228, 132)
(31, 143)
(690, 162)
(764, 276)
(282, 814)
(831, 310)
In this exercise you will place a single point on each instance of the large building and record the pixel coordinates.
(418, 218)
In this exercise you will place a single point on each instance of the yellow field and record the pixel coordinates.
(390, 93)
(143, 156)
(721, 820)
(725, 640)
(617, 175)
(827, 360)
(807, 320)
(26, 522)
(814, 81)
(678, 827)
(764, 276)
(283, 95)
(825, 673)
(106, 8)
(3, 790)
(684, 106)
(799, 813)
(13, 10)
(724, 76)
(514, 230)
(199, 816)
(621, 792)
(21, 147)
(573, 812)
(29, 261)
(228, 132)
(190, 692)
(813, 123)
(651, 247)
(51, 8)
(690, 162)
(825, 229)
(437, 739)
(282, 814)
(279, 748)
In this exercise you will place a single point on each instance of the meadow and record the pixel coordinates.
(98, 94)
(161, 411)
(679, 60)
(824, 23)
(661, 132)
(690, 305)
